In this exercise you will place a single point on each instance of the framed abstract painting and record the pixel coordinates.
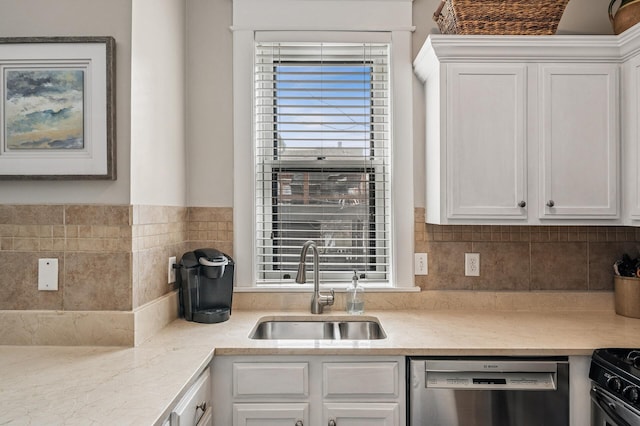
(57, 108)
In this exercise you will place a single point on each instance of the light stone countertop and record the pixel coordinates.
(42, 385)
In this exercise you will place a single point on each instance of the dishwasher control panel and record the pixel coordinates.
(477, 380)
(490, 374)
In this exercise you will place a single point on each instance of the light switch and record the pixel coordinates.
(48, 274)
(421, 265)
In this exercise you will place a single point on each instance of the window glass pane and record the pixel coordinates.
(322, 154)
(323, 106)
(334, 209)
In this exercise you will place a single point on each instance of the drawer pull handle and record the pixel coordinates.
(550, 203)
(522, 204)
(201, 407)
(332, 422)
(205, 419)
(299, 423)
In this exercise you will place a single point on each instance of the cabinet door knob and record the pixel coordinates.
(332, 422)
(299, 423)
(522, 204)
(550, 203)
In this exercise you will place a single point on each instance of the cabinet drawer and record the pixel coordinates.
(195, 407)
(369, 413)
(273, 414)
(271, 379)
(362, 379)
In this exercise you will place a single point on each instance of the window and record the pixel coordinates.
(322, 159)
(359, 183)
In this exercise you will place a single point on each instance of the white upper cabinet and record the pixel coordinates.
(630, 49)
(579, 113)
(522, 130)
(485, 156)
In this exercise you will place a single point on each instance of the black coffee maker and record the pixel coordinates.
(205, 281)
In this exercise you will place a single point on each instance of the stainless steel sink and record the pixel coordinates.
(317, 330)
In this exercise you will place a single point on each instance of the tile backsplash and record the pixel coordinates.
(114, 258)
(523, 258)
(111, 257)
(92, 244)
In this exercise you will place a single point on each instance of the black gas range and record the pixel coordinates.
(615, 391)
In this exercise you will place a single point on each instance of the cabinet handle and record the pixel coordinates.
(522, 204)
(205, 419)
(332, 422)
(299, 423)
(550, 203)
(202, 406)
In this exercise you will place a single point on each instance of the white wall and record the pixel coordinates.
(30, 18)
(158, 103)
(210, 104)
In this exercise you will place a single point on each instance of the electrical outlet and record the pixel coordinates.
(421, 264)
(472, 264)
(171, 272)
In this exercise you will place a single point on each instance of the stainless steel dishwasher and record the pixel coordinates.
(479, 391)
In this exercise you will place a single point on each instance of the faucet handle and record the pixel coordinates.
(326, 299)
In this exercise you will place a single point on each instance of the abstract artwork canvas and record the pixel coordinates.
(44, 109)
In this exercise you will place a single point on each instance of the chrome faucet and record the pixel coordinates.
(319, 301)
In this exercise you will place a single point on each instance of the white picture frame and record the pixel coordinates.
(57, 108)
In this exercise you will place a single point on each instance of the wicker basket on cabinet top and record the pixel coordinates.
(506, 17)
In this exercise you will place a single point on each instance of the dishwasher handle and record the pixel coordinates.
(491, 366)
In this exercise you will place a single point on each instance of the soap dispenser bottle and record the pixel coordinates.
(355, 296)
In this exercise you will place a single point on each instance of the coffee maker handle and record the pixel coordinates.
(205, 262)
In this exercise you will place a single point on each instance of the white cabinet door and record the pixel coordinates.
(631, 135)
(579, 150)
(486, 133)
(271, 414)
(361, 414)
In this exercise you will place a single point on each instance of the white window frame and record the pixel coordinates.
(324, 21)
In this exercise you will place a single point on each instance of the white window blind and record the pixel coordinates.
(322, 138)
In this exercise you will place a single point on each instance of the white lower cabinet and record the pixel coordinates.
(303, 391)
